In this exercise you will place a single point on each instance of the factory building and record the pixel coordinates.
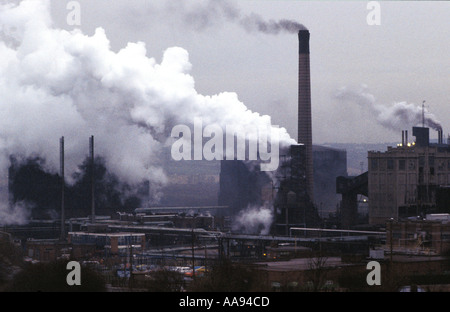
(293, 205)
(409, 180)
(241, 185)
(430, 235)
(329, 163)
(111, 243)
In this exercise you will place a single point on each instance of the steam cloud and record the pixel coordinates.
(57, 83)
(398, 116)
(254, 220)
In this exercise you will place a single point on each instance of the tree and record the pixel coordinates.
(317, 270)
(31, 183)
(227, 277)
(10, 260)
(165, 281)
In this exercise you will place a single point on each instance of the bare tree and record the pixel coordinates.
(317, 270)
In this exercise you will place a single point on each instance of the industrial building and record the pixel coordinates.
(329, 163)
(429, 236)
(241, 185)
(337, 275)
(410, 179)
(111, 243)
(293, 204)
(351, 188)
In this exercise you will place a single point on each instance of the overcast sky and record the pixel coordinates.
(404, 59)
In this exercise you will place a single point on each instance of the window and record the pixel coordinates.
(382, 164)
(431, 160)
(401, 164)
(374, 164)
(390, 164)
(441, 165)
(431, 164)
(421, 161)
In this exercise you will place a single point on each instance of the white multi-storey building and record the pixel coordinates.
(404, 180)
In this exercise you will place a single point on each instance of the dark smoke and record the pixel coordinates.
(210, 13)
(41, 190)
(256, 23)
(29, 183)
(204, 15)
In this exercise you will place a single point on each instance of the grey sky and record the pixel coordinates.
(406, 58)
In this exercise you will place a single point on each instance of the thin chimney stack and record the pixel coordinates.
(92, 165)
(304, 106)
(61, 162)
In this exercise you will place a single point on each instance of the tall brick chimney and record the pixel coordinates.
(304, 107)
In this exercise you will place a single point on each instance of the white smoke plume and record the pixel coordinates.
(397, 116)
(18, 213)
(254, 220)
(55, 83)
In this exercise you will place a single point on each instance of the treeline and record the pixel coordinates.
(29, 182)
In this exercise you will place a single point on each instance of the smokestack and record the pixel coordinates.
(406, 137)
(304, 106)
(403, 138)
(61, 161)
(91, 152)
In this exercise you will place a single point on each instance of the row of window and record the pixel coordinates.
(408, 164)
(104, 240)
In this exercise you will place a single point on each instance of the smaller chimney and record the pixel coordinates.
(403, 138)
(91, 152)
(61, 160)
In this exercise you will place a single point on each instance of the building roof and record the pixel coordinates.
(322, 148)
(301, 264)
(116, 234)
